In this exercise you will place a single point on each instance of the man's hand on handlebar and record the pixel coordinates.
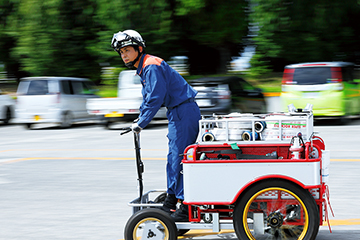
(135, 128)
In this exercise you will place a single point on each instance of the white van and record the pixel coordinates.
(59, 100)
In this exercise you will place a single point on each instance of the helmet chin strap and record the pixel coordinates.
(132, 63)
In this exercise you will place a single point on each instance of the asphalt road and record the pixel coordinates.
(76, 183)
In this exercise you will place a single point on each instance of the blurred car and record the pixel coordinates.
(180, 64)
(59, 100)
(328, 86)
(125, 107)
(223, 95)
(6, 108)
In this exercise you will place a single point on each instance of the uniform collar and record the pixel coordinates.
(140, 67)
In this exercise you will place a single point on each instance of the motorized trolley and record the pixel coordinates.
(265, 176)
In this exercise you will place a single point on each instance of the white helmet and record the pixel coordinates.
(127, 38)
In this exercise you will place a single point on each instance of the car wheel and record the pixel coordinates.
(234, 109)
(263, 108)
(8, 115)
(66, 120)
(344, 120)
(28, 125)
(107, 125)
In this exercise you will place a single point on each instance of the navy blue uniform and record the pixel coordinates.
(162, 85)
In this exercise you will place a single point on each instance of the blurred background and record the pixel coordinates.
(53, 184)
(72, 38)
(253, 39)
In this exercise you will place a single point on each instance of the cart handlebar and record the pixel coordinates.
(125, 130)
(139, 163)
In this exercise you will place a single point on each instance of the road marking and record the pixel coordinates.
(85, 158)
(345, 160)
(74, 158)
(106, 158)
(343, 222)
(72, 150)
(9, 150)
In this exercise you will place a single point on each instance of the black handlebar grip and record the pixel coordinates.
(127, 129)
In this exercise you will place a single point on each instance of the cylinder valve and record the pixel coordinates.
(296, 147)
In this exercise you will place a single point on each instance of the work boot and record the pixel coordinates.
(181, 214)
(170, 202)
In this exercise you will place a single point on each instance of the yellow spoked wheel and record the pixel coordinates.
(276, 209)
(150, 224)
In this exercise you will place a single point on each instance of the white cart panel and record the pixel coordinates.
(220, 182)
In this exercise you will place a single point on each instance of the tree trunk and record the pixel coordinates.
(225, 56)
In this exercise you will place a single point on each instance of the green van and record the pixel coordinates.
(328, 86)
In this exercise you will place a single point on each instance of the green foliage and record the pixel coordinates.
(152, 19)
(187, 6)
(52, 38)
(259, 67)
(107, 91)
(269, 82)
(305, 31)
(219, 24)
(72, 38)
(110, 75)
(211, 32)
(176, 28)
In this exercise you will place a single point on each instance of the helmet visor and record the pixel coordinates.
(121, 40)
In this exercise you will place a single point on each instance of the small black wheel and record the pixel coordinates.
(28, 125)
(150, 224)
(66, 120)
(161, 198)
(276, 209)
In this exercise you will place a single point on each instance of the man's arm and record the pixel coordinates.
(154, 94)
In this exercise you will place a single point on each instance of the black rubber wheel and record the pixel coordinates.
(344, 120)
(181, 232)
(66, 120)
(28, 125)
(150, 224)
(8, 116)
(161, 198)
(289, 212)
(107, 124)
